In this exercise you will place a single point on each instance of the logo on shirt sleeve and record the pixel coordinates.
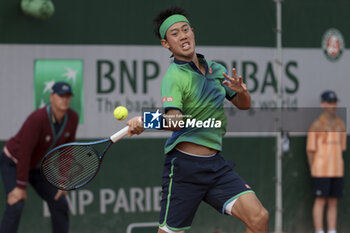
(167, 99)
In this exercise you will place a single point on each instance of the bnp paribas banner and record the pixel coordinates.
(104, 77)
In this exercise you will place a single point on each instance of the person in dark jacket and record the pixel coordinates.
(44, 129)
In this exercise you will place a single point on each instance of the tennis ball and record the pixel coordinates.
(120, 113)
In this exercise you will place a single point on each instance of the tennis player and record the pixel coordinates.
(194, 169)
(44, 129)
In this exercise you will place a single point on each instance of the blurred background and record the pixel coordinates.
(288, 53)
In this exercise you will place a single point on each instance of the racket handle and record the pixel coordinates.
(120, 134)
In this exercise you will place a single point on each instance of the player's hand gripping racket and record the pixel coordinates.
(73, 165)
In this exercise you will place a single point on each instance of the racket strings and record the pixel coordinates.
(71, 166)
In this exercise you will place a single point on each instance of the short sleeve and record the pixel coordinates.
(172, 92)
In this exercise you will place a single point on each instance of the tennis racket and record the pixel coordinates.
(72, 165)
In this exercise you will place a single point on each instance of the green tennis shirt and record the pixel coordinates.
(200, 98)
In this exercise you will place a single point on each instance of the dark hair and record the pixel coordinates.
(163, 15)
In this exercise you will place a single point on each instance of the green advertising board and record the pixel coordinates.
(47, 72)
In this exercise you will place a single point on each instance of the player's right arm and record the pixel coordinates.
(135, 126)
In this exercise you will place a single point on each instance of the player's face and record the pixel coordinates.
(180, 41)
(60, 102)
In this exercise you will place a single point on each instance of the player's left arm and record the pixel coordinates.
(242, 99)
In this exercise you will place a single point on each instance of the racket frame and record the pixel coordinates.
(112, 139)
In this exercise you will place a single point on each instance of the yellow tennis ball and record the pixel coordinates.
(120, 113)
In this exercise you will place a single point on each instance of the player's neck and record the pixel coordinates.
(199, 65)
(196, 61)
(193, 59)
(57, 114)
